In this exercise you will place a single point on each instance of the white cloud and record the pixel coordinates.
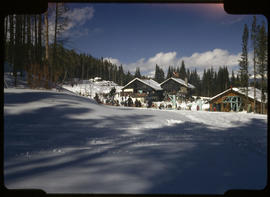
(147, 66)
(200, 61)
(113, 60)
(214, 58)
(79, 16)
(163, 58)
(76, 17)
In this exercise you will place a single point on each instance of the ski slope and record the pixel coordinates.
(63, 143)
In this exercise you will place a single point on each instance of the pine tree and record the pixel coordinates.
(159, 74)
(137, 73)
(170, 72)
(233, 80)
(187, 75)
(262, 58)
(60, 22)
(128, 77)
(121, 75)
(156, 73)
(243, 62)
(46, 36)
(182, 71)
(211, 82)
(11, 40)
(254, 41)
(17, 66)
(198, 84)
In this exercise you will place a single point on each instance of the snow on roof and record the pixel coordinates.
(150, 82)
(241, 90)
(180, 81)
(220, 94)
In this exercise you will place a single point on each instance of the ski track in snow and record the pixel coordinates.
(64, 143)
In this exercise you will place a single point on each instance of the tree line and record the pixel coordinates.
(211, 83)
(35, 46)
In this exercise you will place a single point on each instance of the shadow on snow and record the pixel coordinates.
(185, 158)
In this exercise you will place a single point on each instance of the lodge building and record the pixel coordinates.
(178, 87)
(234, 99)
(143, 89)
(148, 89)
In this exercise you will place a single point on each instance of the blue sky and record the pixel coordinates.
(142, 35)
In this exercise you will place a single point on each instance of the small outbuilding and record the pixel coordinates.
(234, 99)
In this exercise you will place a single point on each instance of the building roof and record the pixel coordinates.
(149, 82)
(180, 81)
(241, 90)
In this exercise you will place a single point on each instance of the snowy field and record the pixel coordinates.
(63, 143)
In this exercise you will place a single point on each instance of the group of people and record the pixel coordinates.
(129, 103)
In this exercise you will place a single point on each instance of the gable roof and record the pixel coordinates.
(149, 82)
(241, 90)
(180, 81)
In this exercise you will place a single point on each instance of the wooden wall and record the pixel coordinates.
(173, 87)
(218, 101)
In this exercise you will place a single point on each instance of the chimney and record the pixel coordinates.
(186, 81)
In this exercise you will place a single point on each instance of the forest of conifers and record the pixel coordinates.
(28, 49)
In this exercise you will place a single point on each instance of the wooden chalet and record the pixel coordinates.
(143, 89)
(178, 87)
(234, 99)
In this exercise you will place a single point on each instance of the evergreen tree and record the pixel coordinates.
(182, 72)
(233, 80)
(205, 84)
(262, 58)
(11, 40)
(18, 46)
(128, 77)
(170, 72)
(216, 81)
(194, 79)
(178, 70)
(212, 85)
(60, 22)
(238, 81)
(223, 81)
(159, 74)
(121, 75)
(187, 75)
(254, 41)
(137, 73)
(243, 62)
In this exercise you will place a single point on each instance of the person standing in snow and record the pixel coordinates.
(130, 102)
(150, 103)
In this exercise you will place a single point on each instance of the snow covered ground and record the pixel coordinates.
(63, 143)
(90, 88)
